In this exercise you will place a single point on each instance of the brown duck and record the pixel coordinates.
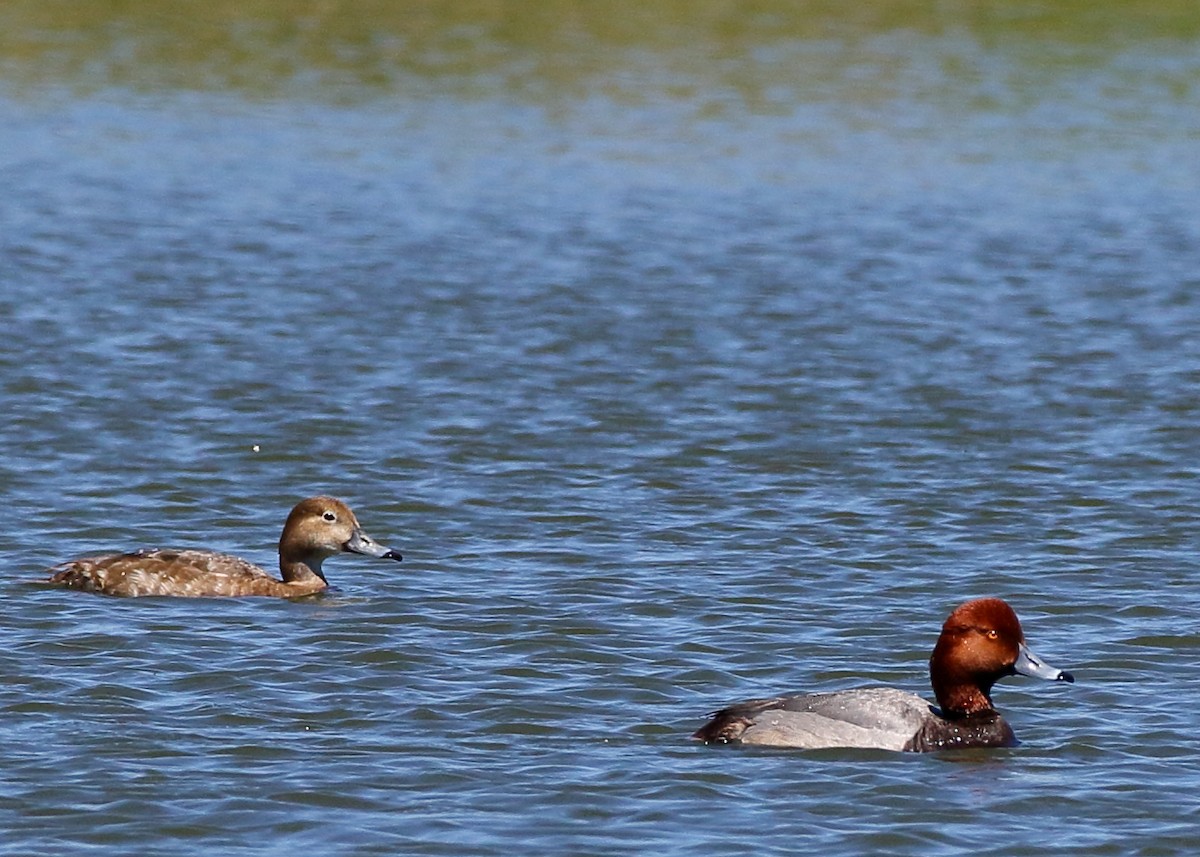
(316, 529)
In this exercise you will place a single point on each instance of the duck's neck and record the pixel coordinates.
(960, 690)
(303, 570)
(962, 700)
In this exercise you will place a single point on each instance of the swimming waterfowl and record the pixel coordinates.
(316, 529)
(981, 642)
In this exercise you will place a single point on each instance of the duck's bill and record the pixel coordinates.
(1031, 665)
(361, 543)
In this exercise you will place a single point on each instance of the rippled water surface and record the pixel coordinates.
(690, 354)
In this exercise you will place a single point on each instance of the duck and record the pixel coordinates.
(316, 529)
(980, 643)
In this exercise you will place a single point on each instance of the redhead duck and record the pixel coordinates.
(316, 529)
(981, 642)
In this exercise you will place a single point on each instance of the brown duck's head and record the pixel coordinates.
(982, 642)
(320, 527)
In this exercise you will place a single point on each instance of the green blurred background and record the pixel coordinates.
(764, 52)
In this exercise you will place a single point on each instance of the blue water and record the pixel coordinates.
(667, 404)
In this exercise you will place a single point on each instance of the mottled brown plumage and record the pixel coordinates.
(316, 529)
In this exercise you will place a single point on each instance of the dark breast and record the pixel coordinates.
(987, 729)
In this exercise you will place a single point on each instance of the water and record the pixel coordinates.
(687, 357)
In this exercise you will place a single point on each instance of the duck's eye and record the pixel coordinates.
(329, 516)
(993, 634)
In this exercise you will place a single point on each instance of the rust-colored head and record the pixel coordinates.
(981, 642)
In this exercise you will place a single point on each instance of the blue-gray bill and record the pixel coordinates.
(360, 542)
(1031, 665)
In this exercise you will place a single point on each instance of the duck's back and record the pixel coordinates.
(879, 717)
(158, 571)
